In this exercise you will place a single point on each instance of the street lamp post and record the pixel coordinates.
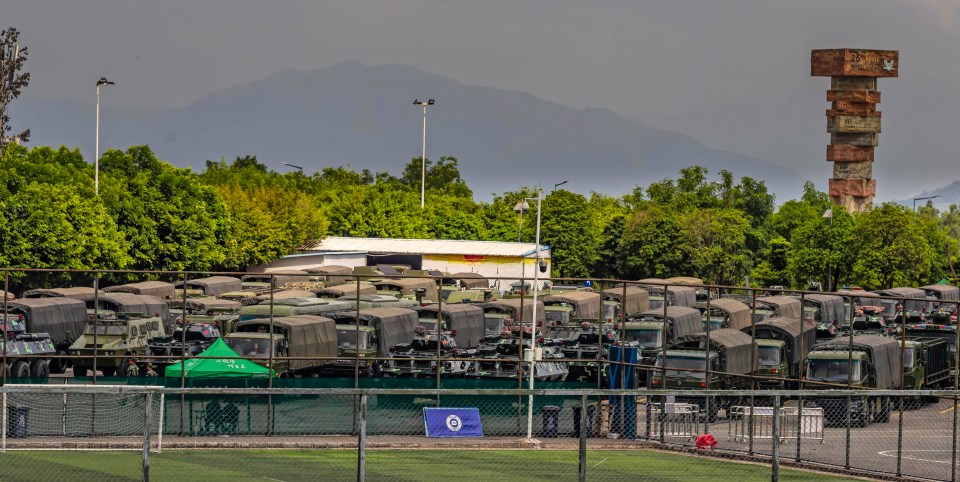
(423, 150)
(921, 198)
(294, 166)
(555, 186)
(96, 146)
(533, 331)
(521, 207)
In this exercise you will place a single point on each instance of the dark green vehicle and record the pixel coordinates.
(725, 313)
(209, 286)
(646, 332)
(301, 345)
(870, 361)
(926, 365)
(502, 318)
(680, 294)
(571, 308)
(782, 345)
(63, 319)
(777, 306)
(215, 311)
(160, 289)
(729, 356)
(636, 301)
(293, 307)
(119, 338)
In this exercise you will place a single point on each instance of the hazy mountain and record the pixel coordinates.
(354, 114)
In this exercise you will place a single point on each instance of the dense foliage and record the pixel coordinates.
(152, 215)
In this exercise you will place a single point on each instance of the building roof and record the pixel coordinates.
(424, 246)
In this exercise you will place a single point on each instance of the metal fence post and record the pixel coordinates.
(362, 440)
(583, 437)
(147, 405)
(801, 372)
(3, 434)
(775, 475)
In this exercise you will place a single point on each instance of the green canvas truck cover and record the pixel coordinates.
(680, 295)
(212, 285)
(637, 300)
(131, 303)
(885, 353)
(735, 347)
(393, 325)
(943, 292)
(831, 306)
(82, 293)
(788, 330)
(738, 312)
(160, 289)
(906, 293)
(346, 290)
(466, 319)
(64, 319)
(513, 305)
(586, 304)
(783, 306)
(684, 320)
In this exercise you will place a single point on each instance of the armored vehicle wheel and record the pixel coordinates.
(59, 364)
(39, 369)
(80, 371)
(21, 369)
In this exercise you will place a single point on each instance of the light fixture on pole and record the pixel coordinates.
(294, 166)
(829, 214)
(921, 198)
(96, 146)
(521, 207)
(533, 332)
(555, 186)
(423, 150)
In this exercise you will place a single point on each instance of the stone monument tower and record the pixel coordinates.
(853, 120)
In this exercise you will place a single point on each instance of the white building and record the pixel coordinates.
(494, 259)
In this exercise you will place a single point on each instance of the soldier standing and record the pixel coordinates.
(133, 370)
(150, 372)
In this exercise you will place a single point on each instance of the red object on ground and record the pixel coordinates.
(706, 441)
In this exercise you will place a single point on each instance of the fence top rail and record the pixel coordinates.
(143, 389)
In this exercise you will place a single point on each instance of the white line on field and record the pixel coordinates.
(600, 462)
(887, 453)
(268, 478)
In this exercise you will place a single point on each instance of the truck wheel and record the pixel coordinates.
(79, 371)
(21, 369)
(883, 416)
(40, 369)
(60, 363)
(108, 372)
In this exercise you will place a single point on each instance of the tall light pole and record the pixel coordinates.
(533, 331)
(96, 145)
(555, 186)
(294, 166)
(521, 207)
(921, 198)
(423, 150)
(829, 214)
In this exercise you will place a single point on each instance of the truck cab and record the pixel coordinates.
(126, 336)
(773, 362)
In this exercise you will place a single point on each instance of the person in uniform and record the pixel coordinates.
(150, 372)
(132, 369)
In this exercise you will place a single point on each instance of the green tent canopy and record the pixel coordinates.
(230, 366)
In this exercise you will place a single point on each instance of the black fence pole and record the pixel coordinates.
(6, 289)
(775, 473)
(846, 463)
(800, 372)
(903, 347)
(583, 437)
(148, 404)
(362, 440)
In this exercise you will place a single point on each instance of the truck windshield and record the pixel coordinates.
(889, 307)
(761, 314)
(249, 347)
(428, 324)
(560, 316)
(645, 338)
(715, 322)
(812, 312)
(677, 366)
(832, 370)
(492, 325)
(769, 355)
(656, 301)
(908, 357)
(609, 310)
(105, 330)
(347, 339)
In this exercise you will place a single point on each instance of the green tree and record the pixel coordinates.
(443, 176)
(716, 244)
(891, 249)
(12, 81)
(653, 245)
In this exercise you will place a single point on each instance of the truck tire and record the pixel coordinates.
(60, 363)
(80, 371)
(883, 415)
(40, 369)
(21, 369)
(108, 372)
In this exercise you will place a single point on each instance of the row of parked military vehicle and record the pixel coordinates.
(327, 324)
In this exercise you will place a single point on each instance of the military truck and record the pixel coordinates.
(464, 322)
(869, 320)
(475, 295)
(160, 289)
(875, 364)
(637, 301)
(331, 274)
(826, 312)
(782, 345)
(347, 290)
(680, 294)
(777, 306)
(421, 289)
(725, 313)
(186, 341)
(571, 308)
(891, 306)
(63, 319)
(293, 307)
(926, 365)
(218, 312)
(208, 286)
(587, 352)
(942, 311)
(119, 338)
(130, 303)
(302, 345)
(860, 298)
(379, 301)
(696, 283)
(82, 293)
(501, 316)
(471, 281)
(935, 331)
(28, 354)
(378, 331)
(646, 332)
(280, 279)
(730, 357)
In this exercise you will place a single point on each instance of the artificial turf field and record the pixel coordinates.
(405, 465)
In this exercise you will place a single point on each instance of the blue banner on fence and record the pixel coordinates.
(452, 422)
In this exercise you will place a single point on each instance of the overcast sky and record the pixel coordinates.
(679, 64)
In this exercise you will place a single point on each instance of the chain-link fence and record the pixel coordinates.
(127, 433)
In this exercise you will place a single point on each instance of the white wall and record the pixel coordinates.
(305, 261)
(489, 266)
